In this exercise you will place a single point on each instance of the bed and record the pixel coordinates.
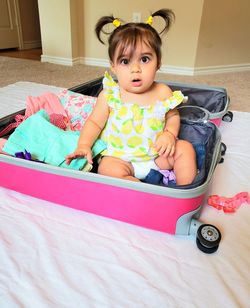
(54, 256)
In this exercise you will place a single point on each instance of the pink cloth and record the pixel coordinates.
(48, 101)
(19, 118)
(51, 103)
(2, 142)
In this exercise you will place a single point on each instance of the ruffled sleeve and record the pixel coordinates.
(176, 99)
(111, 90)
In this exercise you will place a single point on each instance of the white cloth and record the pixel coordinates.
(14, 95)
(142, 168)
(53, 256)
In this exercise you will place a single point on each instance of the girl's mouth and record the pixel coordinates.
(136, 82)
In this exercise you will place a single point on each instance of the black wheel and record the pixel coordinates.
(208, 236)
(221, 160)
(228, 117)
(223, 148)
(205, 249)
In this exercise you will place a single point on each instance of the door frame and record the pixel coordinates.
(19, 25)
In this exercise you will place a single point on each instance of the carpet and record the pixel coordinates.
(14, 70)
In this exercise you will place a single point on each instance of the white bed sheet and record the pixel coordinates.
(13, 97)
(53, 256)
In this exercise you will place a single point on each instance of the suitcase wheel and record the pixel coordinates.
(223, 148)
(228, 117)
(208, 238)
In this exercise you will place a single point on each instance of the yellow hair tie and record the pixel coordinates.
(149, 20)
(116, 23)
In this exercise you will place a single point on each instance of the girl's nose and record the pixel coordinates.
(135, 67)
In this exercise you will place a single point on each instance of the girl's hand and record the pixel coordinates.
(83, 151)
(165, 144)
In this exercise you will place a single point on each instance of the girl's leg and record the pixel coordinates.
(185, 167)
(183, 162)
(117, 168)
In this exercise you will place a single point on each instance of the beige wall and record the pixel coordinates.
(224, 33)
(55, 22)
(77, 18)
(206, 33)
(179, 46)
(61, 29)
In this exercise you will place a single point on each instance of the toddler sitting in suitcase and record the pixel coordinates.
(136, 116)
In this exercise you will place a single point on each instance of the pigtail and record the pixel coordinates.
(128, 34)
(103, 21)
(168, 16)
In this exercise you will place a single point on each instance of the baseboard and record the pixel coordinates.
(95, 62)
(32, 44)
(233, 68)
(60, 60)
(74, 61)
(177, 70)
(166, 69)
(206, 70)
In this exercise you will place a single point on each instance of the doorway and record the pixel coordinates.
(20, 34)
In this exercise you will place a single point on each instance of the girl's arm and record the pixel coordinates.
(91, 130)
(165, 143)
(173, 122)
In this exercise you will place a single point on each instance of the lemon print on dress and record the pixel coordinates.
(114, 128)
(139, 129)
(108, 94)
(151, 108)
(178, 95)
(140, 152)
(134, 141)
(151, 147)
(127, 127)
(114, 102)
(150, 143)
(118, 153)
(109, 81)
(173, 101)
(116, 142)
(137, 112)
(155, 124)
(122, 112)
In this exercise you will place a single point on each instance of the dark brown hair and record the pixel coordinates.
(130, 34)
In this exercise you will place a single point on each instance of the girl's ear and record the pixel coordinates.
(112, 67)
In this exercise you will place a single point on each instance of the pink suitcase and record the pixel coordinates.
(165, 209)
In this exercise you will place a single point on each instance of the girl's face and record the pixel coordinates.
(135, 71)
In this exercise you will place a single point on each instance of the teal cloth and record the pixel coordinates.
(48, 143)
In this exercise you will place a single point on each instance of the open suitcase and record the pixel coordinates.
(171, 210)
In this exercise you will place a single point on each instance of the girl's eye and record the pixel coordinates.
(124, 61)
(145, 59)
